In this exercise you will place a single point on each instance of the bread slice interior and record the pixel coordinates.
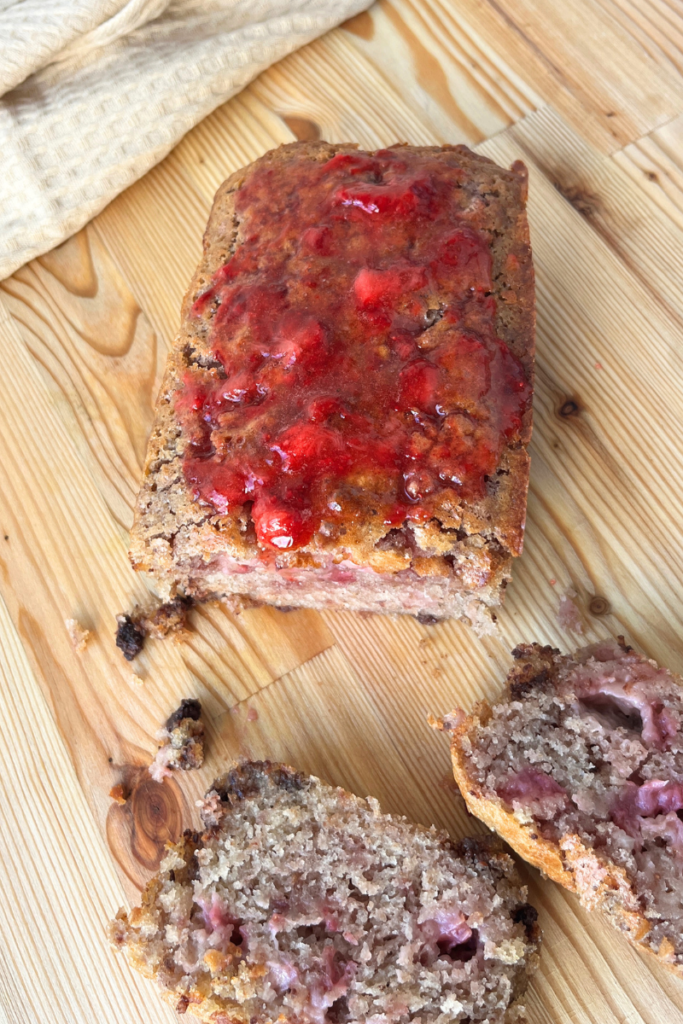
(300, 902)
(580, 768)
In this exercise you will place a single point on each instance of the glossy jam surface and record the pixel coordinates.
(355, 367)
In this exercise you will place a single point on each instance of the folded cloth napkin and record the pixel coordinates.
(95, 92)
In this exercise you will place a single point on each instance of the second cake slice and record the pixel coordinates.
(580, 768)
(346, 409)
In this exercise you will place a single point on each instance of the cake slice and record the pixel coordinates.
(580, 769)
(302, 903)
(345, 412)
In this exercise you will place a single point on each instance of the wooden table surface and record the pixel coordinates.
(589, 93)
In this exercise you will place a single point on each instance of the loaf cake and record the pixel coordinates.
(580, 769)
(302, 903)
(345, 411)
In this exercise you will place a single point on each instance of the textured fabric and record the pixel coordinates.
(98, 91)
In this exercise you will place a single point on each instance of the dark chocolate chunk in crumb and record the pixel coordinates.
(527, 916)
(134, 629)
(425, 619)
(189, 708)
(130, 638)
(183, 749)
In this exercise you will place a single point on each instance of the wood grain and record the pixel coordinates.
(589, 94)
(55, 966)
(586, 59)
(655, 162)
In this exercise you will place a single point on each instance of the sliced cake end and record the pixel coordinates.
(302, 903)
(580, 768)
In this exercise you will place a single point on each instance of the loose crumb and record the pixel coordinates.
(598, 366)
(553, 582)
(134, 629)
(119, 794)
(129, 637)
(136, 680)
(568, 614)
(252, 715)
(167, 618)
(237, 603)
(184, 746)
(78, 635)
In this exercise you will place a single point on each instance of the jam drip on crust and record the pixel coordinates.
(357, 368)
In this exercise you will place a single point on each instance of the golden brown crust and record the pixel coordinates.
(173, 535)
(538, 851)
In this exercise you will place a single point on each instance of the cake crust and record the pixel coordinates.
(567, 855)
(457, 560)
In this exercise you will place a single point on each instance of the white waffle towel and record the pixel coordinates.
(95, 92)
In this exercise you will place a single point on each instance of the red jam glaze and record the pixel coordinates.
(356, 332)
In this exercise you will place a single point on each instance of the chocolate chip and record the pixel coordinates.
(432, 316)
(130, 639)
(189, 708)
(526, 915)
(425, 619)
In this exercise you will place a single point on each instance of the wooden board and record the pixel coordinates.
(589, 93)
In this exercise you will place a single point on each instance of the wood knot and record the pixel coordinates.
(570, 407)
(599, 606)
(304, 129)
(155, 814)
(152, 816)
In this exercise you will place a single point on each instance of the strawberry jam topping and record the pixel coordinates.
(355, 363)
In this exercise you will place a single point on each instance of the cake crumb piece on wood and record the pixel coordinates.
(133, 630)
(568, 614)
(184, 746)
(78, 635)
(119, 794)
(167, 618)
(130, 639)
